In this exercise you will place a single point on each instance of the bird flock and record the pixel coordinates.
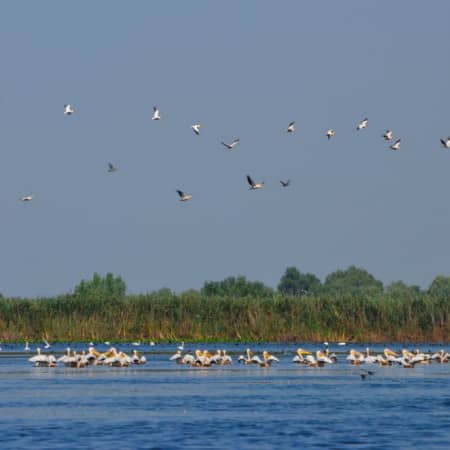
(388, 136)
(204, 358)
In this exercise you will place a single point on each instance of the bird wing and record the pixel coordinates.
(250, 181)
(180, 193)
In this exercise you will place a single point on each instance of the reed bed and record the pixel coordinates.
(192, 316)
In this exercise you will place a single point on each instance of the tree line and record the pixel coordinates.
(349, 305)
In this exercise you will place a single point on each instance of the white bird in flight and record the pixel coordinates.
(68, 110)
(290, 128)
(388, 136)
(330, 133)
(396, 145)
(254, 185)
(446, 142)
(196, 128)
(183, 196)
(232, 144)
(156, 114)
(363, 124)
(26, 198)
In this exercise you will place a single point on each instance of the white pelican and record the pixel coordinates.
(111, 168)
(322, 357)
(285, 183)
(136, 343)
(369, 359)
(196, 128)
(363, 124)
(152, 344)
(107, 343)
(226, 359)
(26, 198)
(446, 142)
(395, 145)
(247, 359)
(39, 360)
(68, 110)
(390, 355)
(183, 196)
(254, 185)
(290, 128)
(177, 357)
(137, 358)
(267, 360)
(47, 345)
(181, 346)
(355, 357)
(342, 343)
(299, 358)
(388, 135)
(232, 144)
(64, 357)
(156, 114)
(27, 347)
(330, 133)
(188, 359)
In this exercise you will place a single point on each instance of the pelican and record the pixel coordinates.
(254, 185)
(111, 168)
(267, 360)
(369, 359)
(395, 145)
(299, 358)
(47, 345)
(137, 358)
(177, 357)
(322, 357)
(196, 128)
(355, 357)
(183, 196)
(446, 142)
(232, 144)
(68, 110)
(27, 347)
(26, 198)
(388, 135)
(39, 359)
(247, 359)
(156, 114)
(188, 359)
(390, 355)
(330, 133)
(136, 344)
(181, 346)
(290, 128)
(363, 124)
(226, 359)
(64, 357)
(285, 183)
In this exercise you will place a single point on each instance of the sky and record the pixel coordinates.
(243, 70)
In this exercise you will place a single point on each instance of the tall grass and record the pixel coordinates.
(195, 317)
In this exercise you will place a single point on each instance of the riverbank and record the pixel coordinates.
(191, 316)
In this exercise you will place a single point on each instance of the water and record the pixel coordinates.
(168, 406)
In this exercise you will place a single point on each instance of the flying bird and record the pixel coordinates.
(388, 136)
(446, 142)
(183, 196)
(363, 124)
(232, 144)
(330, 133)
(26, 198)
(156, 114)
(396, 145)
(290, 128)
(68, 110)
(285, 183)
(254, 185)
(111, 168)
(196, 128)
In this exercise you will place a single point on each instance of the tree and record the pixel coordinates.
(295, 283)
(399, 289)
(353, 280)
(440, 287)
(236, 287)
(107, 287)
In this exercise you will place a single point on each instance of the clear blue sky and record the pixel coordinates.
(242, 69)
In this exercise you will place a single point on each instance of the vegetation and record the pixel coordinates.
(237, 309)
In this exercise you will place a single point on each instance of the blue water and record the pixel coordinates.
(168, 406)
